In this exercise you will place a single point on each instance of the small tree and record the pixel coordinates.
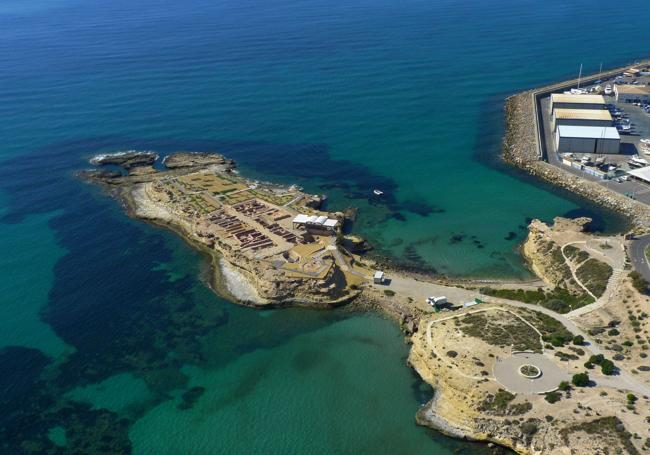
(552, 397)
(564, 386)
(597, 359)
(557, 342)
(580, 380)
(607, 367)
(578, 340)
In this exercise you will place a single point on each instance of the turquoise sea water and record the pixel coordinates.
(110, 342)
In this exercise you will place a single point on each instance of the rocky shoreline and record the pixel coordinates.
(521, 149)
(229, 268)
(247, 282)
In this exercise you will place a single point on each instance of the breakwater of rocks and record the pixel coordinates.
(523, 148)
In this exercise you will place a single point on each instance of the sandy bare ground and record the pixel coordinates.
(419, 290)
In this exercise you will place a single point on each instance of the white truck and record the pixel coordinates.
(437, 301)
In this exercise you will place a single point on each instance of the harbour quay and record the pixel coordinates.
(589, 135)
(600, 130)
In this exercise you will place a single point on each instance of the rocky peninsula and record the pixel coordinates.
(273, 246)
(247, 228)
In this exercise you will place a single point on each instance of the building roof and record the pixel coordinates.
(588, 132)
(641, 173)
(577, 99)
(313, 219)
(632, 89)
(379, 274)
(583, 114)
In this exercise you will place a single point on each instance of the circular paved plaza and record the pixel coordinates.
(508, 372)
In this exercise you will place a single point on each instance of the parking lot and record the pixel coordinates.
(639, 128)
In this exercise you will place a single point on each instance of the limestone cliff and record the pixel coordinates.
(543, 252)
(273, 287)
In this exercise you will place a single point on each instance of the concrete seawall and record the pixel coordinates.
(524, 147)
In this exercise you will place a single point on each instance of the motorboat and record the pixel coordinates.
(635, 161)
(608, 89)
(645, 147)
(377, 192)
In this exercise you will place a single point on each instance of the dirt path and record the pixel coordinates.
(573, 268)
(420, 290)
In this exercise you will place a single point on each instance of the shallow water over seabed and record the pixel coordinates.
(109, 341)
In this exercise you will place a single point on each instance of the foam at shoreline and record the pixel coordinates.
(237, 284)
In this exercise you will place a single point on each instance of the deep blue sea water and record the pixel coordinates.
(109, 340)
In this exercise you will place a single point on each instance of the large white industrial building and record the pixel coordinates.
(642, 174)
(587, 139)
(570, 101)
(581, 117)
(632, 93)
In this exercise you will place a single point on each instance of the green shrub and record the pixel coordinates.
(564, 386)
(580, 380)
(529, 428)
(389, 292)
(597, 359)
(607, 367)
(639, 283)
(578, 340)
(553, 397)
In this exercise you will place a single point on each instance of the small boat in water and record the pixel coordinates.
(377, 192)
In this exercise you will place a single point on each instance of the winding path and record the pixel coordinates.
(420, 289)
(623, 380)
(573, 268)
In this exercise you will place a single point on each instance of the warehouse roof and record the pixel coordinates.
(633, 89)
(588, 132)
(317, 220)
(583, 114)
(642, 173)
(578, 99)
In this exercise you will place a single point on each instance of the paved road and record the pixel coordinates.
(637, 255)
(507, 373)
